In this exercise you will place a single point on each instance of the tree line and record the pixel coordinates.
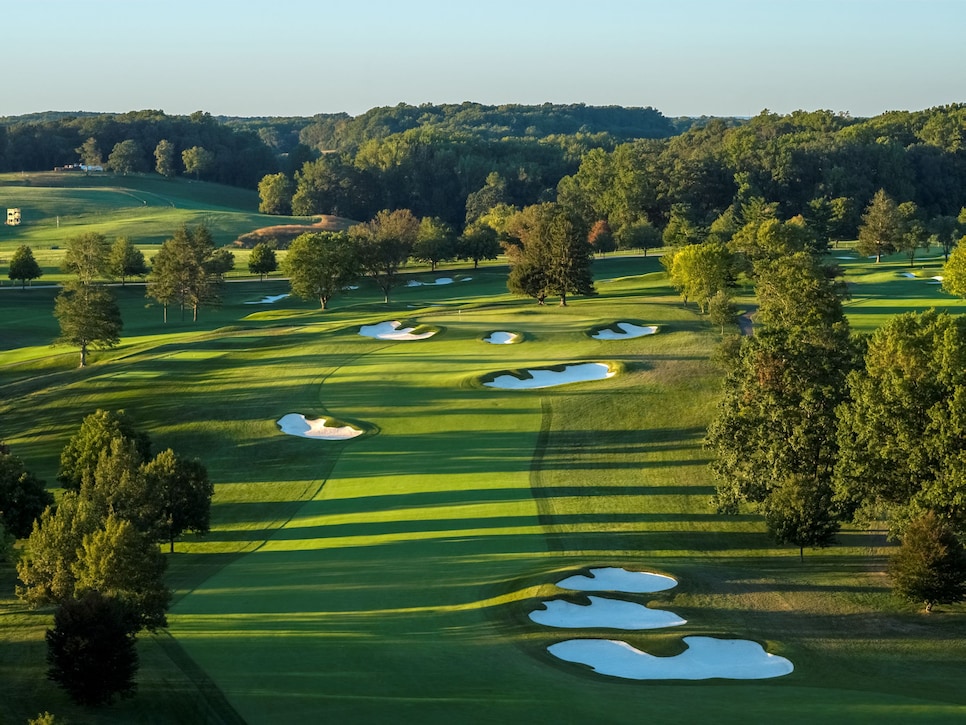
(94, 556)
(818, 425)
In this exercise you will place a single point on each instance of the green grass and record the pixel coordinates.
(388, 578)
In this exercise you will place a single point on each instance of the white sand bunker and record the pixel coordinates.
(543, 378)
(501, 338)
(615, 579)
(907, 275)
(605, 613)
(393, 331)
(629, 331)
(295, 424)
(439, 281)
(936, 280)
(269, 299)
(705, 658)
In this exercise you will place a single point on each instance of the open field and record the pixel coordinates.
(389, 578)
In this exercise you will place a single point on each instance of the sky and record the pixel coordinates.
(303, 57)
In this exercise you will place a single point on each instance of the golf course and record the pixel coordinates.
(378, 555)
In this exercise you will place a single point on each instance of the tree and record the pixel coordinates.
(90, 153)
(799, 511)
(699, 271)
(320, 265)
(119, 561)
(774, 434)
(46, 569)
(79, 457)
(550, 254)
(87, 256)
(275, 194)
(954, 272)
(384, 245)
(882, 226)
(479, 202)
(91, 650)
(126, 158)
(164, 162)
(901, 448)
(435, 242)
(477, 242)
(23, 497)
(184, 491)
(913, 233)
(680, 230)
(639, 234)
(125, 260)
(262, 260)
(721, 309)
(89, 318)
(23, 266)
(601, 238)
(187, 269)
(219, 263)
(197, 160)
(930, 565)
(947, 230)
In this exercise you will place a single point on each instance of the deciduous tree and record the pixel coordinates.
(164, 162)
(901, 448)
(126, 158)
(262, 260)
(23, 497)
(319, 265)
(477, 242)
(87, 256)
(275, 194)
(699, 271)
(435, 242)
(79, 457)
(89, 152)
(91, 651)
(89, 318)
(119, 561)
(197, 160)
(930, 565)
(23, 266)
(125, 260)
(384, 245)
(881, 229)
(184, 491)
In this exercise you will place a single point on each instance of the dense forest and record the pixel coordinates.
(624, 165)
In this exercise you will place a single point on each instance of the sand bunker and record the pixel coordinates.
(393, 331)
(295, 424)
(269, 299)
(614, 579)
(705, 658)
(936, 280)
(603, 613)
(543, 378)
(501, 338)
(440, 280)
(629, 331)
(907, 275)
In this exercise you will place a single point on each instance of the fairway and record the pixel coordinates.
(390, 577)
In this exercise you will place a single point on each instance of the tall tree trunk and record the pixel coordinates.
(83, 356)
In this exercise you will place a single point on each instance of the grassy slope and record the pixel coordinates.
(390, 577)
(145, 208)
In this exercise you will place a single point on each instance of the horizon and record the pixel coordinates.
(690, 59)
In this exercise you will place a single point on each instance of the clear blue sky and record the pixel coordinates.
(301, 57)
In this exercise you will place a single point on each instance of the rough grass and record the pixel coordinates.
(388, 578)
